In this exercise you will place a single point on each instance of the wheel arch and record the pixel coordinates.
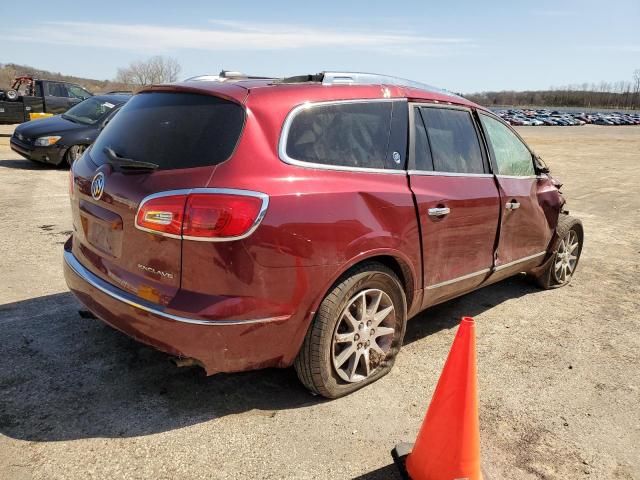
(555, 242)
(399, 263)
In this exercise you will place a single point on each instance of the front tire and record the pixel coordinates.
(74, 153)
(561, 267)
(356, 333)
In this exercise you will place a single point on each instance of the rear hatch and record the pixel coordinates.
(160, 141)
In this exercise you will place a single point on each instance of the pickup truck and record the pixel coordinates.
(28, 95)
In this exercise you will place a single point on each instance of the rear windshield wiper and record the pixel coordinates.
(128, 163)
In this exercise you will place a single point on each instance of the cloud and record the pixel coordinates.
(230, 35)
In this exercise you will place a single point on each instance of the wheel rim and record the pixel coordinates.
(363, 335)
(76, 152)
(567, 257)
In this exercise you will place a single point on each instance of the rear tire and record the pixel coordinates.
(564, 261)
(356, 333)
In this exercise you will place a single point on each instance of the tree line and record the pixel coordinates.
(136, 75)
(161, 69)
(8, 71)
(616, 95)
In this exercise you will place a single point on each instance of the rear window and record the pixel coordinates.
(344, 134)
(172, 130)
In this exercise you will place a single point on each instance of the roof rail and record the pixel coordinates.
(360, 78)
(225, 75)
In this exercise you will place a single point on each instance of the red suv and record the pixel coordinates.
(248, 223)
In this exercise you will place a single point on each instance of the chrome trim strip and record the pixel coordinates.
(286, 126)
(458, 279)
(449, 174)
(226, 191)
(520, 260)
(140, 304)
(440, 104)
(485, 270)
(520, 177)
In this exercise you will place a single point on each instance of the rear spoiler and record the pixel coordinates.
(227, 91)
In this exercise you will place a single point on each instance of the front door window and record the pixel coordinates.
(511, 156)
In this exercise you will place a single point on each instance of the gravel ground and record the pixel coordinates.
(558, 370)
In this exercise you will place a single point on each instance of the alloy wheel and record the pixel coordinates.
(566, 257)
(76, 152)
(363, 335)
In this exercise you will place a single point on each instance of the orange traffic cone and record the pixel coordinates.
(448, 444)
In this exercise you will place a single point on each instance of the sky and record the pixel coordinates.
(463, 46)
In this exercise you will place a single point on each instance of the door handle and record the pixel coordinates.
(439, 211)
(512, 205)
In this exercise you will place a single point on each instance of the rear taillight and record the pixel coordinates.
(203, 214)
(220, 215)
(162, 214)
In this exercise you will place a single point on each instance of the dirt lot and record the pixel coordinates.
(559, 370)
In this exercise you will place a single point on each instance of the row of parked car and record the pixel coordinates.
(556, 118)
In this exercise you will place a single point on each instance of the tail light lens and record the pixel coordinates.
(209, 215)
(162, 214)
(220, 215)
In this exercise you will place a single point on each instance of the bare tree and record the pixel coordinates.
(7, 74)
(636, 87)
(156, 69)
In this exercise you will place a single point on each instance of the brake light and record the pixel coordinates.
(162, 214)
(220, 215)
(203, 215)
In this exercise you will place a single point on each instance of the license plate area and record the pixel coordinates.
(102, 229)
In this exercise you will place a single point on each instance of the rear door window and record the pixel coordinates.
(172, 130)
(421, 151)
(453, 140)
(55, 89)
(350, 134)
(511, 156)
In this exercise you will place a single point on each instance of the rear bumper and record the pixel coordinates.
(220, 346)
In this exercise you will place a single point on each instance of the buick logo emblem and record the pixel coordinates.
(97, 186)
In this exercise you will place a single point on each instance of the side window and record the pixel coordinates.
(343, 134)
(38, 89)
(512, 157)
(54, 89)
(421, 152)
(453, 139)
(77, 92)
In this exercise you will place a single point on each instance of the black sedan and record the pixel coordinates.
(62, 138)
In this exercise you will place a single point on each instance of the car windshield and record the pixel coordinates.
(89, 111)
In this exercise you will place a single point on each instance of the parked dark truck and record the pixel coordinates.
(28, 95)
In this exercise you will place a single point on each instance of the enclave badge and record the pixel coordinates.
(97, 186)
